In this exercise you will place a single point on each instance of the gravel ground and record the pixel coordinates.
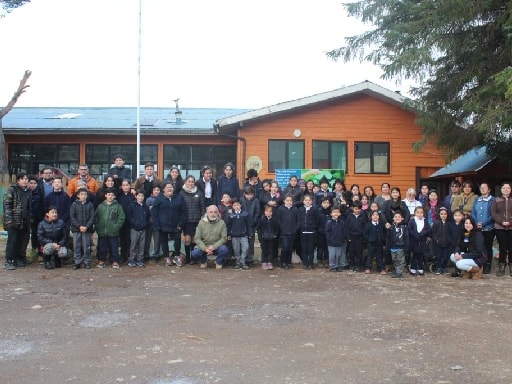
(184, 325)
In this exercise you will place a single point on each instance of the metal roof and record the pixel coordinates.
(470, 162)
(91, 120)
(365, 87)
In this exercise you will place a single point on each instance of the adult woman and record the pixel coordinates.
(465, 200)
(107, 183)
(228, 183)
(432, 206)
(470, 254)
(339, 194)
(207, 185)
(174, 176)
(384, 195)
(393, 205)
(354, 190)
(195, 206)
(370, 193)
(501, 210)
(483, 217)
(169, 216)
(410, 200)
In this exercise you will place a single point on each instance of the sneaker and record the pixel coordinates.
(395, 275)
(20, 264)
(218, 266)
(383, 272)
(238, 266)
(132, 264)
(47, 265)
(101, 264)
(439, 271)
(421, 273)
(332, 270)
(244, 266)
(141, 264)
(412, 272)
(264, 266)
(168, 261)
(367, 271)
(270, 266)
(9, 265)
(115, 265)
(76, 266)
(177, 260)
(339, 269)
(87, 266)
(203, 265)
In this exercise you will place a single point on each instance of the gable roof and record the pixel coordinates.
(92, 120)
(470, 162)
(365, 87)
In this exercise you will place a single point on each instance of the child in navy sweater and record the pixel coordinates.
(375, 236)
(286, 216)
(397, 243)
(307, 227)
(268, 228)
(356, 222)
(419, 233)
(324, 214)
(239, 229)
(335, 234)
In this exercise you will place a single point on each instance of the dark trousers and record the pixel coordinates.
(307, 242)
(504, 238)
(287, 242)
(108, 244)
(417, 261)
(355, 249)
(442, 257)
(124, 241)
(488, 240)
(375, 251)
(16, 238)
(164, 241)
(267, 246)
(322, 251)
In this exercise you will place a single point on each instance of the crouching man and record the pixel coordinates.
(210, 239)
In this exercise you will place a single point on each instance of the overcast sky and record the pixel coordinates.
(223, 53)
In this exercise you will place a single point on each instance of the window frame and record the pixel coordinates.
(372, 157)
(287, 157)
(329, 155)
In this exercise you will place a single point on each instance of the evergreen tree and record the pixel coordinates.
(458, 51)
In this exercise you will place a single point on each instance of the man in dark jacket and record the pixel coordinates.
(119, 172)
(17, 205)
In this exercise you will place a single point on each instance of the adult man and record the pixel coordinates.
(58, 198)
(410, 200)
(83, 175)
(454, 191)
(46, 180)
(119, 172)
(17, 202)
(210, 238)
(147, 180)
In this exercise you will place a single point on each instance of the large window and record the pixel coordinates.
(31, 158)
(330, 155)
(371, 157)
(191, 158)
(100, 157)
(284, 154)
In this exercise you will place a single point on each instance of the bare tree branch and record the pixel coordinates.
(21, 89)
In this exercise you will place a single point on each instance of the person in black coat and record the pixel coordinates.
(375, 237)
(119, 172)
(268, 230)
(469, 255)
(207, 185)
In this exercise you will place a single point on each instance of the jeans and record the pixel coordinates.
(308, 246)
(334, 257)
(137, 241)
(463, 264)
(286, 249)
(398, 257)
(221, 253)
(442, 255)
(240, 248)
(82, 247)
(107, 243)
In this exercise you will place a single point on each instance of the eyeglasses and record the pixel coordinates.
(82, 169)
(47, 173)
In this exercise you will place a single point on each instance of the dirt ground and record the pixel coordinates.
(163, 325)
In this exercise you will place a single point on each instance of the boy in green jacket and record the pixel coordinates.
(109, 218)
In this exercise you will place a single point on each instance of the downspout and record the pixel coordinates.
(243, 140)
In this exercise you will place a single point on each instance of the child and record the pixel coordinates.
(375, 236)
(456, 233)
(356, 222)
(225, 206)
(397, 243)
(82, 226)
(419, 232)
(251, 205)
(52, 234)
(441, 240)
(138, 216)
(323, 192)
(150, 232)
(286, 216)
(109, 218)
(239, 229)
(335, 234)
(268, 228)
(322, 250)
(125, 198)
(307, 227)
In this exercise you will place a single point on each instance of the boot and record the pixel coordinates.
(478, 275)
(187, 254)
(487, 268)
(467, 274)
(501, 269)
(510, 269)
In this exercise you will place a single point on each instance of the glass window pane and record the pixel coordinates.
(338, 156)
(321, 155)
(380, 156)
(296, 154)
(276, 155)
(362, 158)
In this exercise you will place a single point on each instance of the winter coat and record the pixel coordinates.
(123, 173)
(62, 201)
(335, 232)
(82, 215)
(441, 234)
(397, 237)
(375, 234)
(418, 241)
(17, 207)
(201, 185)
(464, 203)
(52, 232)
(355, 225)
(324, 215)
(307, 220)
(295, 193)
(390, 209)
(137, 216)
(501, 211)
(321, 194)
(169, 215)
(210, 233)
(194, 203)
(147, 186)
(238, 224)
(91, 183)
(252, 207)
(109, 219)
(482, 212)
(287, 219)
(456, 232)
(227, 185)
(472, 245)
(268, 228)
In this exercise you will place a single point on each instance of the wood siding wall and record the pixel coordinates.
(359, 118)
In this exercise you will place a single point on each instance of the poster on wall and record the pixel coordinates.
(283, 175)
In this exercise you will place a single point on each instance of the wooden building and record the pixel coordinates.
(363, 129)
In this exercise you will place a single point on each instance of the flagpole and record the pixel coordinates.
(138, 89)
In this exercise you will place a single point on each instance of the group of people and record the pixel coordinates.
(217, 220)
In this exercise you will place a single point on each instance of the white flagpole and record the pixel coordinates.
(138, 90)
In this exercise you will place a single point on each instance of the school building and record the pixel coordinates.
(363, 129)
